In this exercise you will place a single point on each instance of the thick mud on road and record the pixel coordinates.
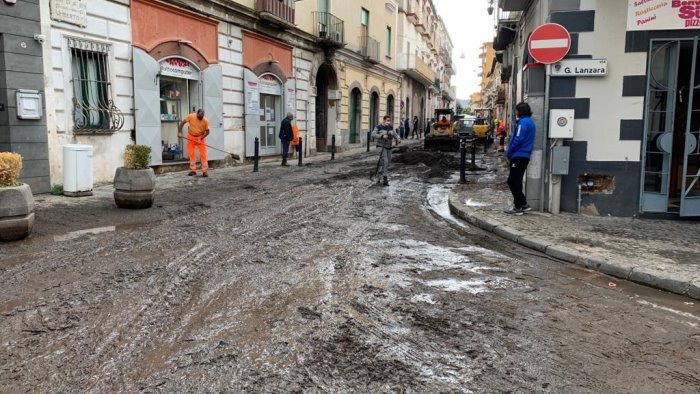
(315, 280)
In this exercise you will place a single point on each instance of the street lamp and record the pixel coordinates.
(490, 8)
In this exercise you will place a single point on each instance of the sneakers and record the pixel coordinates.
(514, 211)
(526, 208)
(385, 181)
(192, 173)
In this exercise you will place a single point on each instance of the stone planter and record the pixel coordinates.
(134, 189)
(16, 212)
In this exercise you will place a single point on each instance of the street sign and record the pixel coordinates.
(580, 68)
(549, 43)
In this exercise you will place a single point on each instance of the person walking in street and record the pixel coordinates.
(197, 132)
(416, 128)
(518, 157)
(286, 136)
(406, 127)
(385, 136)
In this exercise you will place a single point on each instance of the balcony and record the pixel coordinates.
(449, 93)
(329, 30)
(413, 12)
(513, 5)
(275, 11)
(370, 49)
(416, 68)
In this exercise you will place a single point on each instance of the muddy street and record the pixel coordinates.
(314, 279)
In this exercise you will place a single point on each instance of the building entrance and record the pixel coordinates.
(671, 160)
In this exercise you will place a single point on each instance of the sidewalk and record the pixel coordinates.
(660, 253)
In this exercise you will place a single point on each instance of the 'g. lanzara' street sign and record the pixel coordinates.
(580, 68)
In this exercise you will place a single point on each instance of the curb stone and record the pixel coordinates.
(618, 269)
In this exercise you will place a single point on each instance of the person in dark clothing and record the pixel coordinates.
(518, 156)
(385, 136)
(286, 136)
(406, 127)
(428, 122)
(416, 128)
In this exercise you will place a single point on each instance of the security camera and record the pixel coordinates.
(40, 38)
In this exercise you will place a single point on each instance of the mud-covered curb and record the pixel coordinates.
(618, 268)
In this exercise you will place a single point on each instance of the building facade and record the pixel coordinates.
(635, 141)
(122, 71)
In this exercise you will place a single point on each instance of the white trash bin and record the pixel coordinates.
(77, 170)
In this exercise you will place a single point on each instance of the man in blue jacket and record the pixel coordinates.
(518, 155)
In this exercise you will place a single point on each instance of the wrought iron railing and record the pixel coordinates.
(282, 9)
(94, 110)
(369, 49)
(329, 29)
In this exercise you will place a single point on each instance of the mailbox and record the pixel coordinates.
(29, 104)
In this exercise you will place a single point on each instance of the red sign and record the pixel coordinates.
(549, 43)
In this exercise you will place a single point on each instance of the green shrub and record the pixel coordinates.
(137, 157)
(57, 190)
(10, 166)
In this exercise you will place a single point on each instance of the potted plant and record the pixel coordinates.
(135, 183)
(16, 200)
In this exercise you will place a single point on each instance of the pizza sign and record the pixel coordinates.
(663, 15)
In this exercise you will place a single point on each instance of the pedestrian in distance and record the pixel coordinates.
(518, 157)
(385, 136)
(286, 136)
(406, 128)
(197, 132)
(428, 122)
(416, 127)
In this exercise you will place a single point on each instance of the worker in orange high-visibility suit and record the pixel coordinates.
(197, 131)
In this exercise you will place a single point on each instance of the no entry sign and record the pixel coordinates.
(549, 43)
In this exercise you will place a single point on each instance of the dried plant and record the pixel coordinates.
(10, 166)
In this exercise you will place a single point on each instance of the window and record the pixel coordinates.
(93, 108)
(388, 41)
(364, 20)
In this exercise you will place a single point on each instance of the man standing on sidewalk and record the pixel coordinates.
(518, 157)
(385, 136)
(197, 131)
(286, 136)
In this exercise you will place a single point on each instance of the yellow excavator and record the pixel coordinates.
(482, 124)
(444, 132)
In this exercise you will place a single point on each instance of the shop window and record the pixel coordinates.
(93, 107)
(172, 91)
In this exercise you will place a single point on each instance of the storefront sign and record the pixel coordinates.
(270, 85)
(580, 68)
(663, 15)
(252, 93)
(69, 11)
(179, 68)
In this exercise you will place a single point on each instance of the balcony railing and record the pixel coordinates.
(514, 5)
(329, 29)
(416, 68)
(449, 93)
(413, 12)
(278, 11)
(369, 49)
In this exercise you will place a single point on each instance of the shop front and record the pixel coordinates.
(174, 77)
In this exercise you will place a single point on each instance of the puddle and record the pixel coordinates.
(473, 203)
(438, 196)
(426, 298)
(94, 231)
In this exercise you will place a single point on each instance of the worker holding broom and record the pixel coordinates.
(197, 131)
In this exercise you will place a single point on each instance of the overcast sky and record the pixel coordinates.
(470, 26)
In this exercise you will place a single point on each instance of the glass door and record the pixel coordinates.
(690, 189)
(269, 114)
(658, 141)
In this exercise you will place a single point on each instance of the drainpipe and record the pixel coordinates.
(545, 132)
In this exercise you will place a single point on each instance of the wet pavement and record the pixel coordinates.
(314, 279)
(659, 253)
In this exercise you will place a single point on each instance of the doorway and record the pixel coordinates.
(269, 114)
(355, 114)
(390, 108)
(325, 81)
(671, 160)
(373, 110)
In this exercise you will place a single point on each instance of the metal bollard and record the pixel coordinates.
(256, 156)
(463, 161)
(474, 154)
(369, 137)
(300, 149)
(333, 147)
